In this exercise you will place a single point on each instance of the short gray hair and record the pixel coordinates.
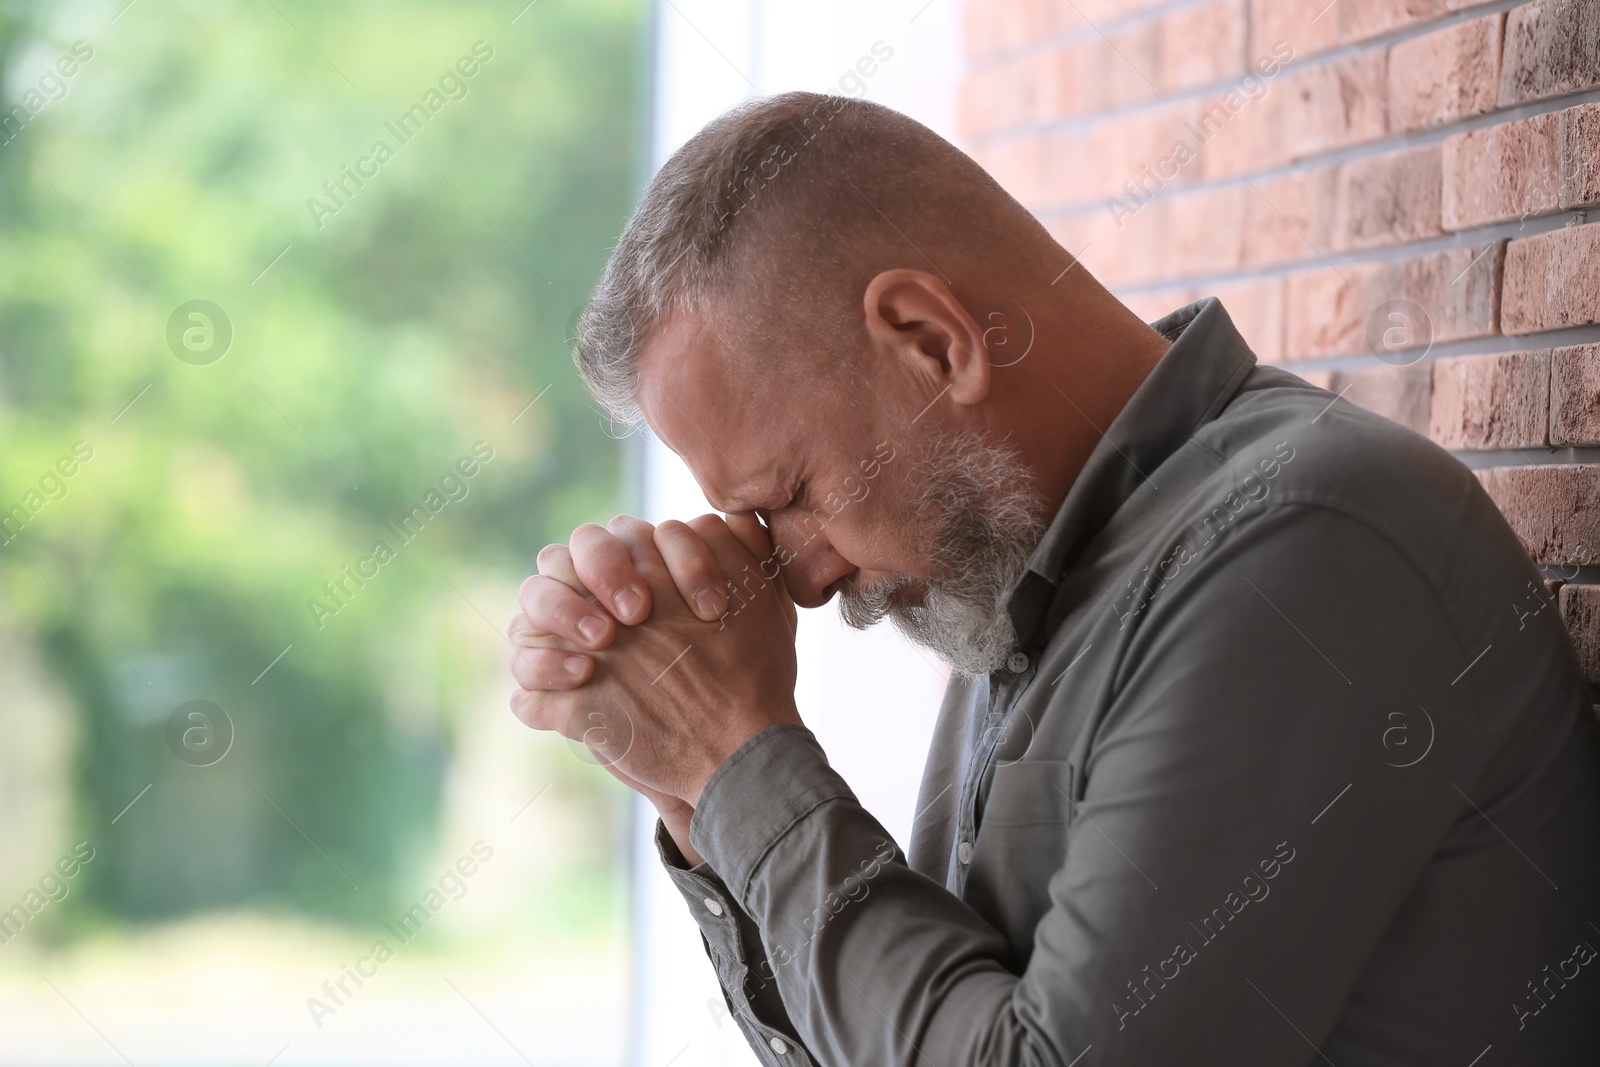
(779, 196)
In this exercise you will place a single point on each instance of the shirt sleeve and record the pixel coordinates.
(733, 945)
(1241, 840)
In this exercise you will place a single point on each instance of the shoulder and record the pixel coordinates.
(1335, 457)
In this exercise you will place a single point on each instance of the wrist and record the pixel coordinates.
(676, 823)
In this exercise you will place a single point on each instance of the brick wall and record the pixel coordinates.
(1388, 195)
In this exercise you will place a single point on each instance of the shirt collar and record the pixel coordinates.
(1205, 365)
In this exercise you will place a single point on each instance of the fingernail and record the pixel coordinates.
(591, 627)
(707, 603)
(627, 603)
(574, 665)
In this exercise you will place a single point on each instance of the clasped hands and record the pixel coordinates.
(629, 642)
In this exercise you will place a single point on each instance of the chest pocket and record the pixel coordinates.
(1029, 792)
(1021, 844)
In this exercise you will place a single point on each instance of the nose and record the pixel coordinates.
(815, 570)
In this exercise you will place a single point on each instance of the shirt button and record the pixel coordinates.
(779, 1045)
(713, 907)
(964, 853)
(1017, 663)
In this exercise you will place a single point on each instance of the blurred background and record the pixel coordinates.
(286, 410)
(360, 344)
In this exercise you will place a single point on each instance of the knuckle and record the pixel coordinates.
(707, 525)
(551, 556)
(565, 614)
(522, 707)
(585, 533)
(518, 626)
(627, 524)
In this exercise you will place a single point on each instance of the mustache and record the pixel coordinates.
(980, 516)
(863, 605)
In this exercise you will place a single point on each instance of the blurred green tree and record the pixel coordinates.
(373, 346)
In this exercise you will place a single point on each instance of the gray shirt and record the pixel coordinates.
(1294, 765)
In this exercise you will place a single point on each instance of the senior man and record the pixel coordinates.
(1264, 743)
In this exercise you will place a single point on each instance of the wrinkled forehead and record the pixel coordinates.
(706, 405)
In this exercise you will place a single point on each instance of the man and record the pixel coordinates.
(1264, 743)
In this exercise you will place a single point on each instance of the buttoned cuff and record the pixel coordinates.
(733, 943)
(757, 796)
(702, 890)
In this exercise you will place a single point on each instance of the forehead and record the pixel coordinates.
(705, 404)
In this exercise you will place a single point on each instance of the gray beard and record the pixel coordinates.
(983, 516)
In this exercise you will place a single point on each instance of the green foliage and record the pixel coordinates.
(418, 319)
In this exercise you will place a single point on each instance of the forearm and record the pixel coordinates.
(734, 948)
(875, 963)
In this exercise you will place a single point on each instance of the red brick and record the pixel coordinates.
(1152, 304)
(1289, 218)
(1256, 307)
(1362, 20)
(1555, 510)
(1552, 280)
(1500, 401)
(1580, 155)
(1122, 146)
(1329, 312)
(1501, 172)
(1309, 26)
(1399, 394)
(1575, 395)
(1205, 231)
(1119, 69)
(1241, 133)
(1002, 25)
(991, 27)
(1325, 312)
(1088, 13)
(988, 102)
(1552, 47)
(1388, 199)
(1334, 104)
(1446, 75)
(978, 28)
(1125, 250)
(1058, 94)
(1016, 164)
(1063, 177)
(1201, 45)
(1580, 611)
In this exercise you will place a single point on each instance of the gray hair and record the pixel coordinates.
(780, 196)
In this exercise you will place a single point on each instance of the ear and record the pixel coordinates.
(914, 319)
